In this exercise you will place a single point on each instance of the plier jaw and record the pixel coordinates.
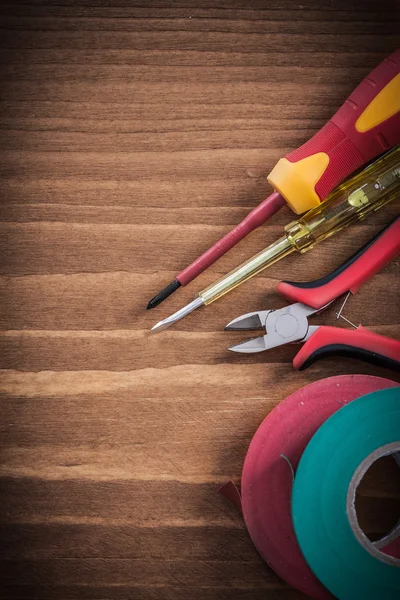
(289, 325)
(248, 322)
(283, 326)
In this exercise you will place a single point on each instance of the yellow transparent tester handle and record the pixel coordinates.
(352, 201)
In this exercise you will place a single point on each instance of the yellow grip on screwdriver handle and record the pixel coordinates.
(365, 126)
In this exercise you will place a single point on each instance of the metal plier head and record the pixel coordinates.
(283, 326)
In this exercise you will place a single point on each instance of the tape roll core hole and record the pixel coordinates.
(377, 498)
(373, 505)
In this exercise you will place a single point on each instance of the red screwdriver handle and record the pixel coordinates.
(365, 126)
(359, 343)
(351, 275)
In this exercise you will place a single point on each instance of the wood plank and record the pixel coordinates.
(120, 592)
(105, 300)
(241, 21)
(126, 541)
(190, 40)
(120, 350)
(107, 502)
(367, 58)
(329, 76)
(140, 572)
(67, 248)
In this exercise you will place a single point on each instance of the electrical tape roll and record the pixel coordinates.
(271, 460)
(323, 500)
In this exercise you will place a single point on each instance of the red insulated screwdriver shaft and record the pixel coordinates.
(254, 219)
(365, 126)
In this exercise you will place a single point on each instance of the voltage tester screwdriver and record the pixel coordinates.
(367, 125)
(363, 193)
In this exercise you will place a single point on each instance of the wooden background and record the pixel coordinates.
(133, 135)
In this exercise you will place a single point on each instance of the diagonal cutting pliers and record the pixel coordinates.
(290, 324)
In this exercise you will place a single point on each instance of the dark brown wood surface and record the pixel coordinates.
(133, 135)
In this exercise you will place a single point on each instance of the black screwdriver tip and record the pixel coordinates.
(161, 296)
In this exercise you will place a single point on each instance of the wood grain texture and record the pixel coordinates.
(133, 136)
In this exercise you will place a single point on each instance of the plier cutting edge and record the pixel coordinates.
(290, 324)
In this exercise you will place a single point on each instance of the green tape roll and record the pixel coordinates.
(324, 517)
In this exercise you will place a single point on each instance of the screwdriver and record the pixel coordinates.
(366, 125)
(367, 191)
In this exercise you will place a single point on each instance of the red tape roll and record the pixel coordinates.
(271, 461)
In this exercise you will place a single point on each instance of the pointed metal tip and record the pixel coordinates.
(161, 326)
(179, 314)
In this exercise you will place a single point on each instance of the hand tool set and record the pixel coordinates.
(309, 455)
(366, 125)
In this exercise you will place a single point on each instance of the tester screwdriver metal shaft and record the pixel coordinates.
(367, 124)
(365, 192)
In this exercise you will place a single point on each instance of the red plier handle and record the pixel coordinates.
(357, 343)
(349, 277)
